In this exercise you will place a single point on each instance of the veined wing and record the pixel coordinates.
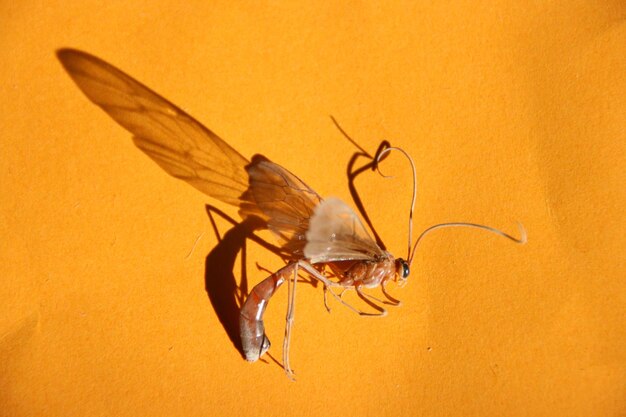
(286, 202)
(182, 146)
(187, 150)
(335, 233)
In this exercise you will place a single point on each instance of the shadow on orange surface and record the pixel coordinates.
(353, 173)
(225, 293)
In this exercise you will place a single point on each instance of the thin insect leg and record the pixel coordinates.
(326, 290)
(351, 307)
(317, 275)
(394, 301)
(343, 291)
(378, 300)
(326, 298)
(330, 284)
(291, 286)
(339, 298)
(300, 278)
(356, 310)
(364, 297)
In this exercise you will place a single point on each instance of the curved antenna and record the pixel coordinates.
(378, 159)
(522, 239)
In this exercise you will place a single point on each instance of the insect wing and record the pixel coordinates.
(285, 202)
(337, 234)
(187, 150)
(182, 146)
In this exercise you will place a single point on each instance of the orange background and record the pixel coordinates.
(511, 110)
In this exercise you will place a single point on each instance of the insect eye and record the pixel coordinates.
(404, 270)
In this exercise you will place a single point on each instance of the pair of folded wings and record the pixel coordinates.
(307, 226)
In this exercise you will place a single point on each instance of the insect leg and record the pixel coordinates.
(326, 291)
(326, 298)
(291, 285)
(251, 328)
(356, 310)
(368, 299)
(393, 301)
(328, 284)
(316, 274)
(378, 300)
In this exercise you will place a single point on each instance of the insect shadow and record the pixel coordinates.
(225, 294)
(224, 291)
(189, 151)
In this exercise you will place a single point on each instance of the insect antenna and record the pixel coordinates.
(521, 240)
(378, 159)
(411, 249)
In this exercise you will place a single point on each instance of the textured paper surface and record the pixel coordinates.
(513, 111)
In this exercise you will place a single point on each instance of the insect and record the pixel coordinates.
(323, 238)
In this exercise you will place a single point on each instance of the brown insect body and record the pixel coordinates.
(322, 238)
(365, 274)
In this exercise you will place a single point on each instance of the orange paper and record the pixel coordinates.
(512, 111)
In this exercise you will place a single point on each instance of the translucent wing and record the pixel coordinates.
(187, 150)
(285, 201)
(337, 234)
(183, 147)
